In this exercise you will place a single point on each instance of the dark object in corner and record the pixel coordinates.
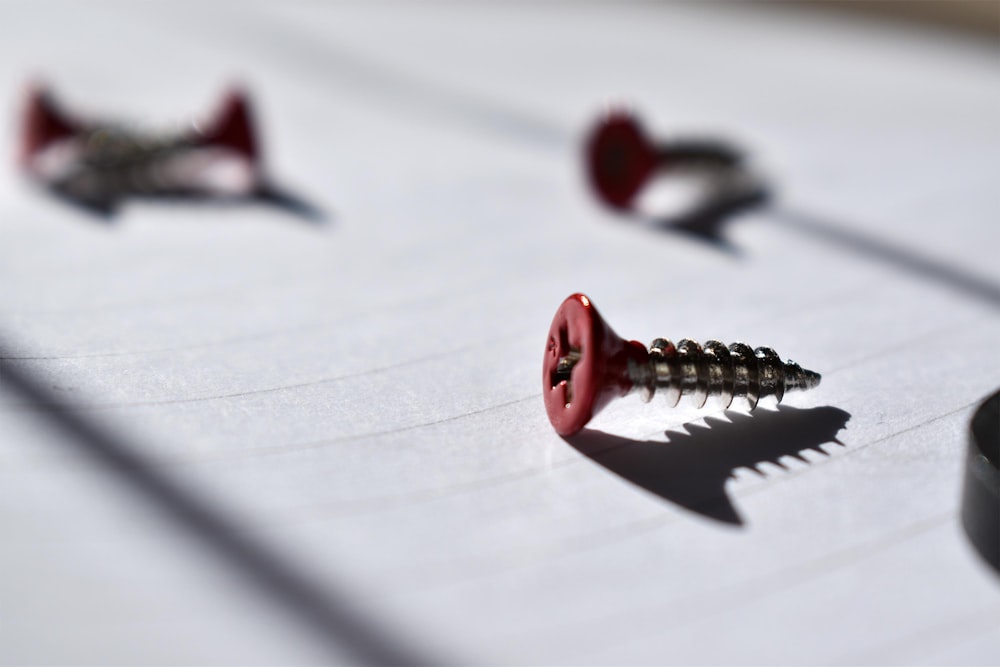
(981, 498)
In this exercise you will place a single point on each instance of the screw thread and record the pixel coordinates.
(713, 369)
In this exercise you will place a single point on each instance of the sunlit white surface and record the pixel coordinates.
(363, 396)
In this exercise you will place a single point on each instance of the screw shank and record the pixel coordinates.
(712, 369)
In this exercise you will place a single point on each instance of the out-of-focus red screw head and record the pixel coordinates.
(620, 158)
(233, 126)
(42, 122)
(586, 365)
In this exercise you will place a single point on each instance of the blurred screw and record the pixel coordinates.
(620, 158)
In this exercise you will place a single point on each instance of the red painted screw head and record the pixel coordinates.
(42, 123)
(619, 158)
(586, 365)
(233, 126)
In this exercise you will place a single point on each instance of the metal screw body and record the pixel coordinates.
(714, 370)
(587, 365)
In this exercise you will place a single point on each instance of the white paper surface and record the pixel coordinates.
(362, 396)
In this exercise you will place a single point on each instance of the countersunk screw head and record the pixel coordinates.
(586, 365)
(619, 158)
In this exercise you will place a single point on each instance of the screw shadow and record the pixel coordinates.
(691, 469)
(705, 224)
(955, 277)
(105, 207)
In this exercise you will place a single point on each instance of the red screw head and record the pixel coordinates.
(620, 158)
(586, 365)
(233, 126)
(42, 123)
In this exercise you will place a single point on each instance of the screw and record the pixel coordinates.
(620, 158)
(587, 365)
(96, 164)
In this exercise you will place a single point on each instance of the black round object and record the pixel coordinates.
(981, 499)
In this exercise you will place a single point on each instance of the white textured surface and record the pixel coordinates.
(363, 396)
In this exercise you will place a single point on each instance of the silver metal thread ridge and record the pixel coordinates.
(712, 369)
